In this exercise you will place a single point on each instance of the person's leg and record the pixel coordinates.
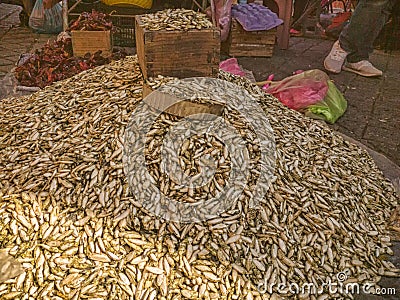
(28, 6)
(298, 8)
(367, 21)
(356, 40)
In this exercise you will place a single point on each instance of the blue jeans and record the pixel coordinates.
(367, 21)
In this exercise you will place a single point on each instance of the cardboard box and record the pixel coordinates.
(184, 108)
(91, 41)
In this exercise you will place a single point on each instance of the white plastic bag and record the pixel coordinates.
(46, 20)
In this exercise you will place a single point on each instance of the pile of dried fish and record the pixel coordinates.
(175, 20)
(200, 145)
(193, 148)
(155, 82)
(67, 214)
(69, 253)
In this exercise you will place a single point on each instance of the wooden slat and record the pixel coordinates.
(146, 90)
(206, 35)
(250, 43)
(165, 57)
(182, 72)
(139, 37)
(251, 50)
(255, 39)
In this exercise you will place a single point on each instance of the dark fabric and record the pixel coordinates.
(298, 8)
(389, 38)
(367, 21)
(28, 6)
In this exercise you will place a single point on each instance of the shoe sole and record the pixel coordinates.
(360, 72)
(297, 34)
(330, 70)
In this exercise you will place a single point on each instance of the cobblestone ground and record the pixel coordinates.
(14, 41)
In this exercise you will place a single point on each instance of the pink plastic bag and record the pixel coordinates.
(231, 66)
(301, 90)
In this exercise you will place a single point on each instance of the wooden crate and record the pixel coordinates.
(179, 54)
(249, 43)
(91, 41)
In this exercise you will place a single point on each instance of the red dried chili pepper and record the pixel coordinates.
(55, 62)
(94, 21)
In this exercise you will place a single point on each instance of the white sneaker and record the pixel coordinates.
(363, 68)
(335, 59)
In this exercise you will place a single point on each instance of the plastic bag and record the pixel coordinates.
(46, 20)
(8, 85)
(311, 92)
(301, 90)
(254, 17)
(222, 16)
(331, 108)
(231, 65)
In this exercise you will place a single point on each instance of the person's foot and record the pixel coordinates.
(363, 68)
(335, 59)
(295, 32)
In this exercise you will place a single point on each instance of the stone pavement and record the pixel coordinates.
(14, 41)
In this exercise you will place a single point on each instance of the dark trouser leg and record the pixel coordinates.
(28, 6)
(367, 21)
(298, 8)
